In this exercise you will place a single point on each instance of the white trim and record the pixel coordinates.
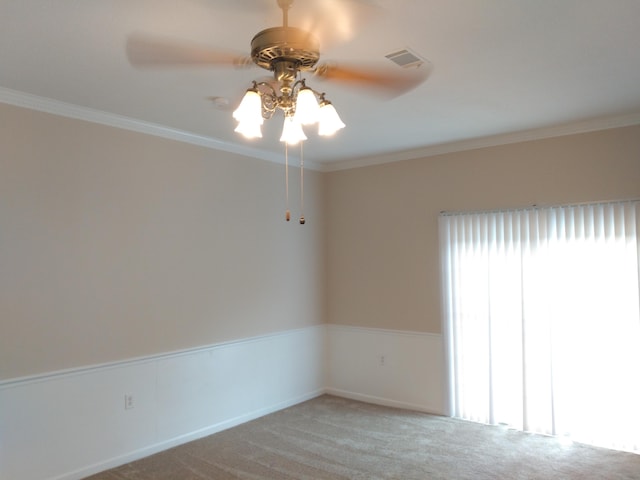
(383, 331)
(88, 369)
(396, 368)
(387, 402)
(56, 107)
(603, 123)
(179, 397)
(182, 439)
(69, 110)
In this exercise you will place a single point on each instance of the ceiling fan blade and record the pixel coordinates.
(333, 21)
(151, 51)
(386, 81)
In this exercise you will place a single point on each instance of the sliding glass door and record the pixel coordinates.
(542, 320)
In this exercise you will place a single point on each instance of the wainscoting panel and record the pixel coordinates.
(68, 425)
(387, 367)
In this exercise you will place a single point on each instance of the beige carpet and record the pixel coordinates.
(335, 438)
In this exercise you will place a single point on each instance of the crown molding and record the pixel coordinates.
(56, 107)
(602, 123)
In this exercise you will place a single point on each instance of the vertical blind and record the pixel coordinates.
(542, 320)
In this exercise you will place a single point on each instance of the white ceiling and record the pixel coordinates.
(500, 68)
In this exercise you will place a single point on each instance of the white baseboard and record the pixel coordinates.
(387, 367)
(387, 402)
(173, 442)
(72, 424)
(68, 425)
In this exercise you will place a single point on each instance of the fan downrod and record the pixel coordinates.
(285, 5)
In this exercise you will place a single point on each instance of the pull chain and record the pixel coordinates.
(302, 220)
(287, 214)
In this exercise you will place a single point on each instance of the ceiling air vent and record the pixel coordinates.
(405, 58)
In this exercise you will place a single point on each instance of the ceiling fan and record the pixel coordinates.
(288, 52)
(284, 50)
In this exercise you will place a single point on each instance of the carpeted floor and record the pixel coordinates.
(335, 438)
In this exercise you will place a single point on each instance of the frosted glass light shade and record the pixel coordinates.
(250, 108)
(249, 129)
(329, 121)
(307, 108)
(292, 132)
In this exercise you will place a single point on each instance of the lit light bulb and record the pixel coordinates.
(292, 132)
(329, 121)
(250, 108)
(249, 129)
(307, 108)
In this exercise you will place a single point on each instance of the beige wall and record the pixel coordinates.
(383, 253)
(115, 245)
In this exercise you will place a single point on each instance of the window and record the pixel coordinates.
(542, 320)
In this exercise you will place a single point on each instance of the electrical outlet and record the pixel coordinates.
(382, 360)
(128, 401)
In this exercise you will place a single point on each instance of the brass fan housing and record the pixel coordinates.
(292, 46)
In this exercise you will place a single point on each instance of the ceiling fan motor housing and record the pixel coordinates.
(296, 48)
